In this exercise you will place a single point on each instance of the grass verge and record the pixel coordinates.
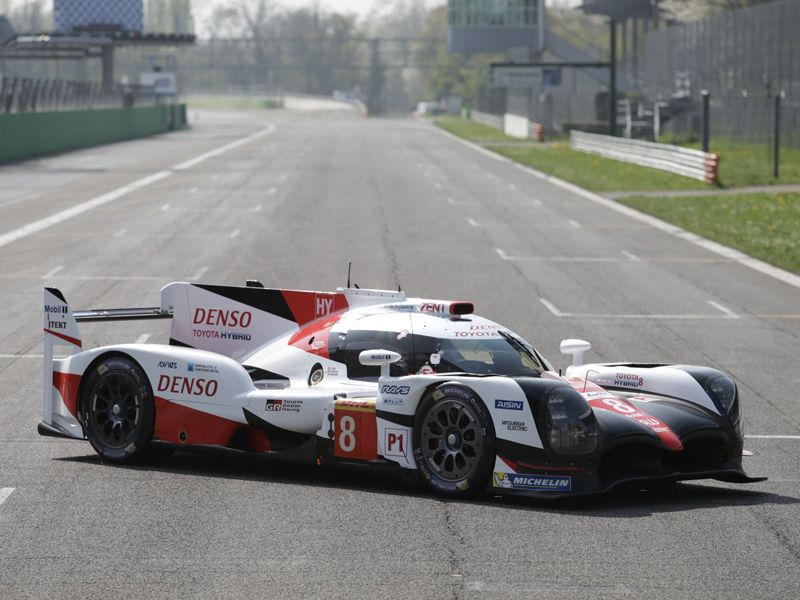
(232, 102)
(761, 225)
(744, 164)
(592, 172)
(472, 131)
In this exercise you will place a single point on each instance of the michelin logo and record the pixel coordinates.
(546, 483)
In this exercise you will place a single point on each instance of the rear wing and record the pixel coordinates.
(60, 326)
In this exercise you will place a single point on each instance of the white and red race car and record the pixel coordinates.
(376, 378)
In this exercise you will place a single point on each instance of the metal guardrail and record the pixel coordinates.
(21, 94)
(486, 119)
(675, 159)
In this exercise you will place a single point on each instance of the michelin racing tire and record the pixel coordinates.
(453, 441)
(118, 411)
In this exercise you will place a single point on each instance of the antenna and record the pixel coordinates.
(349, 266)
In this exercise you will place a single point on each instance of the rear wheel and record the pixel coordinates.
(118, 410)
(453, 441)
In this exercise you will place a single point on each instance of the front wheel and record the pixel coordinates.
(118, 410)
(453, 441)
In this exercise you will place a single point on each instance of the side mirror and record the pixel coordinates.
(379, 358)
(577, 348)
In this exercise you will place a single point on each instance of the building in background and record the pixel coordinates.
(495, 25)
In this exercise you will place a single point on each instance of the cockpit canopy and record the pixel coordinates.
(470, 345)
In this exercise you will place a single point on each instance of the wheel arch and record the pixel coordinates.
(82, 386)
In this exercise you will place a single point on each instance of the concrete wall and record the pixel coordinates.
(26, 135)
(516, 126)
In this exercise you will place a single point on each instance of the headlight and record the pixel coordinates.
(570, 425)
(723, 391)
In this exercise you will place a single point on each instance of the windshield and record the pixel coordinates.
(505, 355)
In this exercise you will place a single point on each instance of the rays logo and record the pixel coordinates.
(395, 390)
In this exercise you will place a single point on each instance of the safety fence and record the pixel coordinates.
(21, 94)
(483, 118)
(675, 159)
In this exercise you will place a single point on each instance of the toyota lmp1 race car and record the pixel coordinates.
(376, 378)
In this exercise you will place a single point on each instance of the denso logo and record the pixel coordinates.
(223, 318)
(395, 390)
(189, 386)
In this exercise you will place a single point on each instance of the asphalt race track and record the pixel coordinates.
(290, 205)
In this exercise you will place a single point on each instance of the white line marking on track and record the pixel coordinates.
(235, 233)
(53, 272)
(223, 149)
(112, 278)
(631, 256)
(687, 317)
(39, 356)
(730, 253)
(165, 208)
(472, 222)
(142, 339)
(60, 217)
(5, 493)
(551, 307)
(502, 254)
(200, 272)
(575, 224)
(723, 309)
(74, 211)
(773, 437)
(120, 233)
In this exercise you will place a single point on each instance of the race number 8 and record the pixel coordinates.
(356, 432)
(347, 438)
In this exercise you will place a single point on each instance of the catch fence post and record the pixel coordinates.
(706, 118)
(777, 137)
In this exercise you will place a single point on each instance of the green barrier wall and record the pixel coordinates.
(25, 135)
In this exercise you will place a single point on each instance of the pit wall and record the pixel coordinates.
(28, 135)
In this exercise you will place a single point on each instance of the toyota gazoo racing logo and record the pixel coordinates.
(544, 483)
(237, 320)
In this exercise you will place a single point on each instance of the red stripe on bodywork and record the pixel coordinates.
(310, 306)
(200, 427)
(314, 338)
(552, 468)
(597, 397)
(66, 338)
(67, 385)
